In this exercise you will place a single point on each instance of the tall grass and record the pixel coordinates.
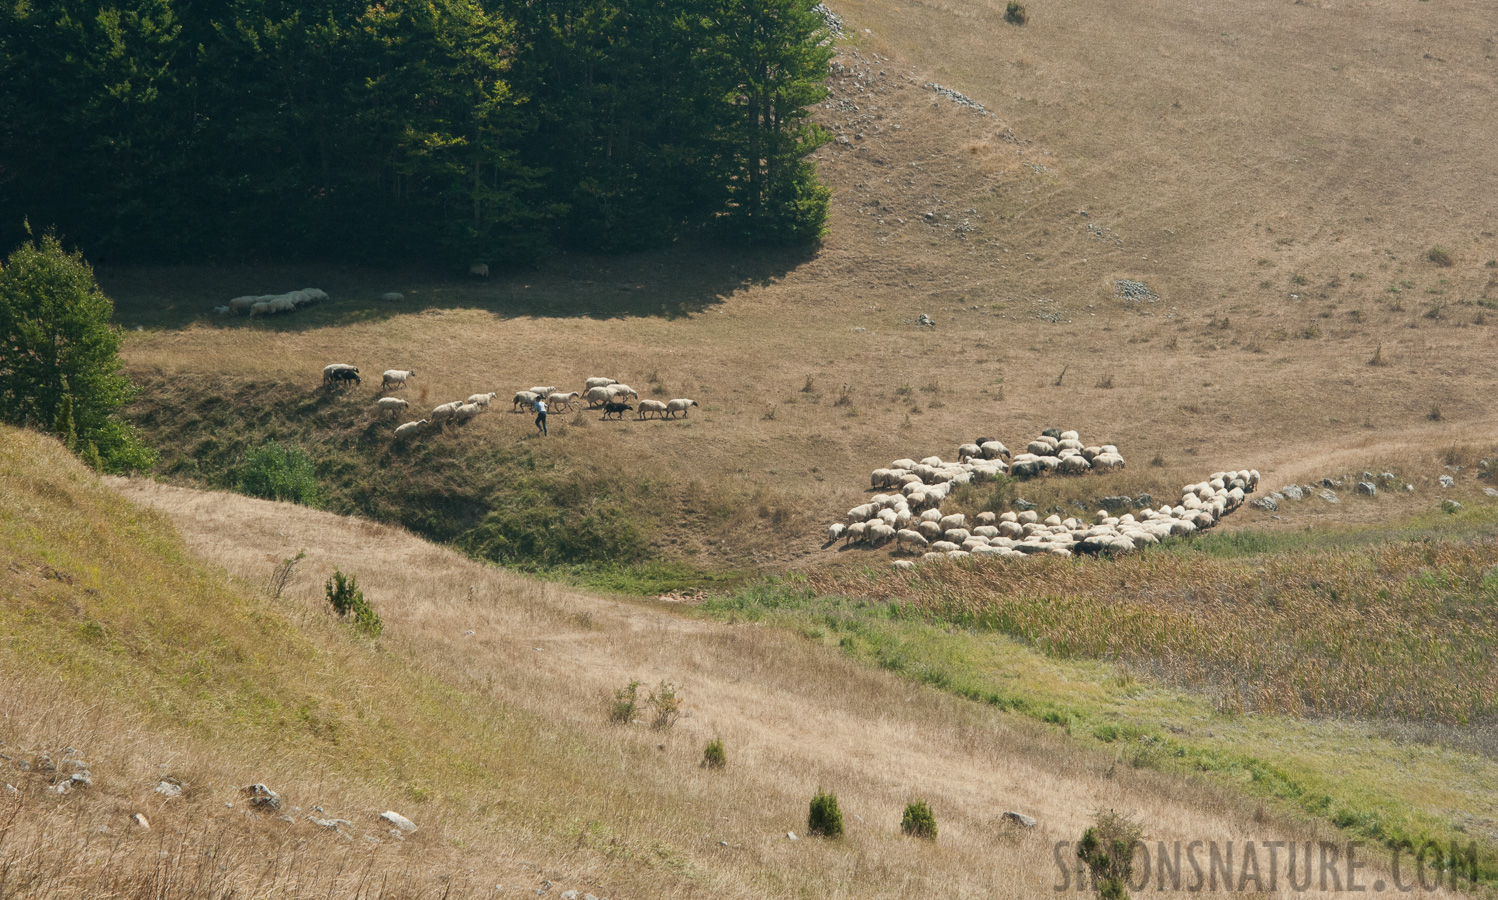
(1399, 631)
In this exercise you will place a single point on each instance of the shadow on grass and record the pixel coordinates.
(671, 283)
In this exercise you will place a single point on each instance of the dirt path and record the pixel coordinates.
(794, 715)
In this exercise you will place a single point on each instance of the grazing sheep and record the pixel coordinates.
(855, 532)
(328, 375)
(835, 531)
(957, 520)
(396, 378)
(409, 429)
(861, 513)
(482, 399)
(994, 450)
(445, 411)
(598, 381)
(525, 398)
(598, 396)
(651, 406)
(880, 533)
(622, 390)
(479, 269)
(903, 564)
(966, 452)
(558, 401)
(391, 404)
(467, 411)
(616, 410)
(544, 390)
(679, 406)
(339, 376)
(906, 537)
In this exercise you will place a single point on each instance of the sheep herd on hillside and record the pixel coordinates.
(272, 304)
(599, 393)
(912, 521)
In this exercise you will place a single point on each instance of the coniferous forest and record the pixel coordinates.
(432, 131)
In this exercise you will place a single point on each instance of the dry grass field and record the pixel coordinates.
(1276, 172)
(482, 715)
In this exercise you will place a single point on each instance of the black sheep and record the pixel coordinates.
(616, 410)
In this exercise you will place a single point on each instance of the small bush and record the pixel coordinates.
(918, 820)
(276, 472)
(825, 818)
(1378, 357)
(348, 603)
(713, 755)
(1107, 848)
(666, 703)
(1435, 414)
(844, 396)
(625, 704)
(1015, 14)
(1440, 257)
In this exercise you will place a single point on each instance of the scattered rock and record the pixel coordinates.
(957, 97)
(833, 20)
(1331, 482)
(1410, 488)
(11, 789)
(1329, 496)
(1266, 503)
(1451, 506)
(82, 779)
(1387, 478)
(790, 835)
(140, 821)
(1115, 502)
(1447, 481)
(925, 320)
(1134, 290)
(1367, 488)
(333, 824)
(44, 763)
(392, 297)
(398, 820)
(1019, 819)
(1292, 492)
(1144, 501)
(570, 895)
(168, 790)
(1491, 492)
(1023, 505)
(62, 787)
(262, 797)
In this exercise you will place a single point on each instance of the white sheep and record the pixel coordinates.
(558, 400)
(679, 406)
(835, 531)
(906, 537)
(956, 520)
(622, 390)
(409, 429)
(545, 390)
(482, 399)
(645, 407)
(391, 404)
(396, 378)
(446, 411)
(467, 411)
(598, 381)
(526, 399)
(994, 450)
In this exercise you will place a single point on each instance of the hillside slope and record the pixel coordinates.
(481, 715)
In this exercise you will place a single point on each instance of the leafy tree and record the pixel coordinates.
(59, 356)
(1108, 847)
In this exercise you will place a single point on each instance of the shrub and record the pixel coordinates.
(626, 704)
(348, 603)
(667, 705)
(1015, 14)
(918, 820)
(276, 472)
(713, 755)
(1107, 848)
(1440, 257)
(825, 818)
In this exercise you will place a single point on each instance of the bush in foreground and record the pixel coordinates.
(825, 818)
(918, 820)
(1107, 848)
(348, 603)
(713, 755)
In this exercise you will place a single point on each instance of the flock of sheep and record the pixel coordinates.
(912, 520)
(272, 304)
(599, 392)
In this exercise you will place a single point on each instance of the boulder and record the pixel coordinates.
(1329, 496)
(1367, 488)
(398, 820)
(168, 790)
(1292, 492)
(1447, 481)
(261, 797)
(1019, 819)
(1451, 506)
(1268, 503)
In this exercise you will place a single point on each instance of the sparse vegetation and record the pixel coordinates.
(713, 755)
(1015, 13)
(349, 604)
(825, 818)
(626, 704)
(1440, 257)
(665, 703)
(1378, 357)
(1107, 848)
(918, 820)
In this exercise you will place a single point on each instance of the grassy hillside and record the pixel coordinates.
(481, 714)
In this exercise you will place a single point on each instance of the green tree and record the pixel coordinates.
(774, 55)
(59, 356)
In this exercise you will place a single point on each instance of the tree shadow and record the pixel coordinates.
(670, 283)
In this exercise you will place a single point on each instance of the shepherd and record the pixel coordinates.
(541, 416)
